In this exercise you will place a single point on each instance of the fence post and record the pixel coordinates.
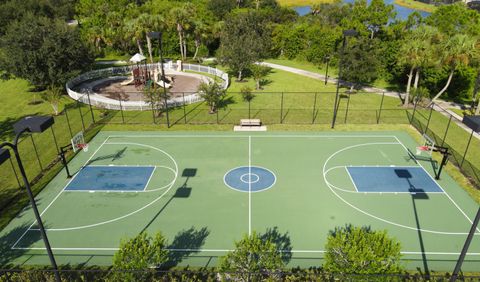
(121, 108)
(429, 117)
(414, 109)
(90, 105)
(55, 140)
(446, 130)
(15, 172)
(153, 114)
(68, 123)
(281, 110)
(466, 149)
(314, 108)
(184, 110)
(381, 107)
(348, 105)
(36, 152)
(81, 115)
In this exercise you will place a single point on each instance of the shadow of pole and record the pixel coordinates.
(181, 192)
(420, 195)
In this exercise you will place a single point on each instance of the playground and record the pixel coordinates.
(205, 190)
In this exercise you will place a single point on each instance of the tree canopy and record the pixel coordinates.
(43, 51)
(360, 250)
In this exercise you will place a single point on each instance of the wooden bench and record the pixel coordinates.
(250, 122)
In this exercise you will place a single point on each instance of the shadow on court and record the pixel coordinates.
(113, 157)
(281, 240)
(8, 240)
(416, 194)
(185, 243)
(182, 192)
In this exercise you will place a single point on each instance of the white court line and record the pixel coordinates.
(56, 197)
(249, 185)
(151, 175)
(400, 166)
(330, 186)
(448, 196)
(229, 250)
(244, 136)
(351, 179)
(127, 191)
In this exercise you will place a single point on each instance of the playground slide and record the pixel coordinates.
(128, 82)
(167, 85)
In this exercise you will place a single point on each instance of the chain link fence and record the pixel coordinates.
(204, 274)
(39, 153)
(448, 131)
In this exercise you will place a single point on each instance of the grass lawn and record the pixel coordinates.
(412, 4)
(321, 69)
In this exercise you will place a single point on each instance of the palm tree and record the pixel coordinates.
(212, 93)
(201, 31)
(149, 23)
(417, 51)
(135, 30)
(180, 17)
(459, 50)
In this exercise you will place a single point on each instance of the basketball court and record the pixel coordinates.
(205, 190)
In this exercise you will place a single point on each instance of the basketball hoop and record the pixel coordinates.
(83, 146)
(421, 149)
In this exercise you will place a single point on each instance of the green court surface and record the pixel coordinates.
(190, 200)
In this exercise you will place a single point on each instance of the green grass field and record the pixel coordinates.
(188, 199)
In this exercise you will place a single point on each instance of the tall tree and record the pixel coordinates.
(359, 64)
(417, 51)
(150, 23)
(245, 39)
(378, 16)
(454, 19)
(48, 52)
(181, 17)
(457, 51)
(134, 30)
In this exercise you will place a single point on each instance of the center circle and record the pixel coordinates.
(249, 177)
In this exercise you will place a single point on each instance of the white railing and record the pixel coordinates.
(87, 96)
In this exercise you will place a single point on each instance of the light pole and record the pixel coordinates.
(458, 266)
(158, 35)
(350, 32)
(327, 59)
(33, 124)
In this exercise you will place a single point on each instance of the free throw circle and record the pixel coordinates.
(249, 179)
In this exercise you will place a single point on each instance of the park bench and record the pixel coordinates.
(250, 122)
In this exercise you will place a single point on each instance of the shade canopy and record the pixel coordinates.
(33, 124)
(473, 122)
(4, 155)
(137, 58)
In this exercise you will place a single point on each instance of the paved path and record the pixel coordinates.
(440, 106)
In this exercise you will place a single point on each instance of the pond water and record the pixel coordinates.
(402, 12)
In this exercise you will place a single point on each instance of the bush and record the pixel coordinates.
(359, 250)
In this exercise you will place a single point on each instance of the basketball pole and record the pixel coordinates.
(64, 160)
(445, 154)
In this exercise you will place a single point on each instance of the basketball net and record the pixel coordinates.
(83, 146)
(421, 149)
